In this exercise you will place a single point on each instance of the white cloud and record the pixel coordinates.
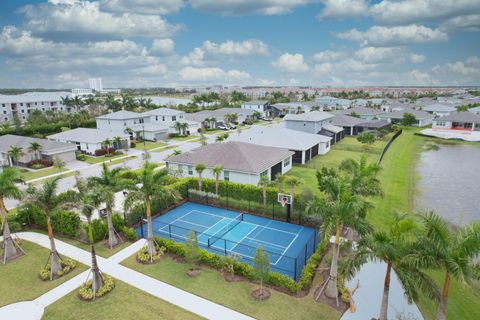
(265, 82)
(328, 56)
(415, 11)
(339, 9)
(323, 69)
(162, 47)
(210, 75)
(244, 7)
(291, 63)
(393, 36)
(388, 55)
(81, 18)
(417, 58)
(462, 23)
(142, 6)
(194, 58)
(469, 69)
(250, 47)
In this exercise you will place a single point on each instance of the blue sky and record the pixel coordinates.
(135, 43)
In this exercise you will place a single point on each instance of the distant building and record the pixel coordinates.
(261, 106)
(96, 84)
(464, 121)
(82, 92)
(422, 118)
(439, 109)
(363, 113)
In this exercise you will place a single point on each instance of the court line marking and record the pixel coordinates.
(291, 242)
(186, 214)
(253, 224)
(266, 242)
(205, 232)
(197, 224)
(238, 242)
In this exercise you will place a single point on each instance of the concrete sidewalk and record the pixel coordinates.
(195, 304)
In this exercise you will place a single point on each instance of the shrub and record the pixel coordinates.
(118, 222)
(37, 166)
(42, 162)
(99, 229)
(13, 223)
(100, 152)
(133, 144)
(129, 233)
(81, 157)
(144, 257)
(66, 222)
(67, 265)
(308, 271)
(86, 292)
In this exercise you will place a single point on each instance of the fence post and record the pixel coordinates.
(225, 246)
(227, 195)
(170, 230)
(295, 270)
(306, 248)
(141, 225)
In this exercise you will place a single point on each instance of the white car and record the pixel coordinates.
(223, 127)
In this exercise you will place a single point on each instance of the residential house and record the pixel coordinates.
(242, 162)
(165, 117)
(87, 140)
(475, 110)
(305, 145)
(316, 122)
(280, 109)
(261, 106)
(219, 116)
(120, 122)
(464, 121)
(422, 118)
(364, 113)
(49, 149)
(439, 109)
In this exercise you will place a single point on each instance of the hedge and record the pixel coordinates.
(244, 269)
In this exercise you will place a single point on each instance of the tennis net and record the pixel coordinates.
(225, 229)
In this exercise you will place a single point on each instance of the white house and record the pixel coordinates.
(165, 117)
(305, 145)
(422, 118)
(87, 140)
(242, 162)
(49, 149)
(261, 106)
(463, 121)
(364, 113)
(219, 115)
(316, 122)
(119, 122)
(21, 105)
(439, 109)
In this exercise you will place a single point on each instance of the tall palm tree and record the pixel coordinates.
(184, 128)
(36, 148)
(106, 144)
(455, 252)
(15, 153)
(200, 167)
(148, 184)
(47, 201)
(117, 141)
(293, 182)
(8, 190)
(217, 171)
(363, 176)
(178, 127)
(339, 208)
(280, 180)
(264, 181)
(109, 182)
(391, 247)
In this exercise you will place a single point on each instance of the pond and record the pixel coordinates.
(450, 183)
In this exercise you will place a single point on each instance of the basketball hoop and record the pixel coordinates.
(283, 202)
(284, 199)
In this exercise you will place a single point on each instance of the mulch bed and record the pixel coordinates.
(261, 294)
(121, 240)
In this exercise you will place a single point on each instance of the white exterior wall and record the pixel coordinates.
(166, 120)
(306, 126)
(23, 109)
(255, 107)
(436, 124)
(323, 148)
(117, 126)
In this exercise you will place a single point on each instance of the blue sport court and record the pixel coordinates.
(227, 232)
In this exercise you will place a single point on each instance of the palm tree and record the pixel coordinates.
(8, 190)
(219, 138)
(264, 181)
(455, 252)
(363, 178)
(200, 167)
(280, 180)
(117, 141)
(256, 115)
(36, 148)
(213, 122)
(203, 139)
(217, 171)
(178, 127)
(106, 144)
(184, 127)
(293, 182)
(15, 153)
(234, 117)
(47, 201)
(109, 182)
(391, 247)
(148, 184)
(339, 208)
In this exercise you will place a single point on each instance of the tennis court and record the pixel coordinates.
(229, 232)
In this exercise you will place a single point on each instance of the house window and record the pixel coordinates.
(156, 118)
(43, 109)
(4, 111)
(286, 162)
(190, 170)
(141, 120)
(174, 118)
(21, 104)
(3, 105)
(226, 175)
(181, 116)
(264, 173)
(441, 123)
(163, 118)
(6, 119)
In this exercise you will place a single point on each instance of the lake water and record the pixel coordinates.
(450, 183)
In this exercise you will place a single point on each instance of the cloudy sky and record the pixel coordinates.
(145, 43)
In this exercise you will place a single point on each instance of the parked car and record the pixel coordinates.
(266, 119)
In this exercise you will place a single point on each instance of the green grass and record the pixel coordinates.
(185, 138)
(116, 161)
(124, 302)
(149, 145)
(163, 149)
(19, 277)
(94, 160)
(30, 175)
(235, 295)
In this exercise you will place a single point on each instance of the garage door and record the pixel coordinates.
(65, 156)
(160, 136)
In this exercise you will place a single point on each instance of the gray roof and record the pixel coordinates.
(256, 102)
(461, 117)
(86, 135)
(121, 115)
(399, 114)
(344, 120)
(313, 116)
(279, 136)
(474, 110)
(332, 128)
(235, 156)
(362, 111)
(48, 147)
(162, 112)
(375, 124)
(34, 96)
(438, 107)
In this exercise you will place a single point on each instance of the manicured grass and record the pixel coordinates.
(149, 145)
(165, 148)
(235, 295)
(30, 175)
(116, 161)
(19, 277)
(185, 138)
(124, 302)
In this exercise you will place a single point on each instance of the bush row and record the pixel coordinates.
(42, 162)
(104, 151)
(244, 269)
(47, 128)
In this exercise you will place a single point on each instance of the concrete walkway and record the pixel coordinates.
(111, 266)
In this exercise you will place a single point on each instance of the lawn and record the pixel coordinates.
(124, 302)
(19, 277)
(149, 145)
(116, 161)
(235, 295)
(30, 175)
(165, 148)
(184, 138)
